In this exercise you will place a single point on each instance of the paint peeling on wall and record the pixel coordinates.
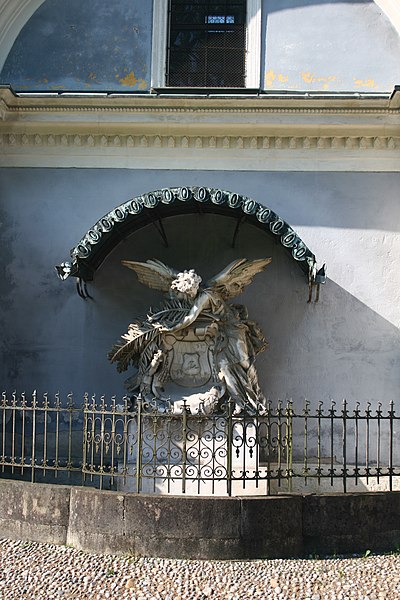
(100, 45)
(311, 78)
(273, 79)
(79, 45)
(271, 76)
(131, 81)
(366, 83)
(313, 81)
(329, 45)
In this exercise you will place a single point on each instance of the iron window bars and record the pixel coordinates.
(206, 44)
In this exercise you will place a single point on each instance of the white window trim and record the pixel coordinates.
(253, 57)
(160, 37)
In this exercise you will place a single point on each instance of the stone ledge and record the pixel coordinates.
(36, 512)
(200, 527)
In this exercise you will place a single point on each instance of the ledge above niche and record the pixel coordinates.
(306, 132)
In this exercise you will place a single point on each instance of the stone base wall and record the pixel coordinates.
(198, 527)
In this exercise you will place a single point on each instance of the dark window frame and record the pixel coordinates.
(199, 55)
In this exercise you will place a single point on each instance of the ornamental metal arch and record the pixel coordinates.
(153, 207)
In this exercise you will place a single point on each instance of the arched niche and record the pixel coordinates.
(156, 206)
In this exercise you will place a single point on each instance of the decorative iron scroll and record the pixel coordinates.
(114, 442)
(137, 212)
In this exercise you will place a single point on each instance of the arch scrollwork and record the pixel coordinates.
(124, 219)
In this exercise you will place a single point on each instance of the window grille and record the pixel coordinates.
(206, 43)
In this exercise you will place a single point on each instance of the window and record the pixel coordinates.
(206, 43)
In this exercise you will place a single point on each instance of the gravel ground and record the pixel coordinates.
(42, 571)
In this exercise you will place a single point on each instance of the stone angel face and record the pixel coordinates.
(187, 282)
(229, 282)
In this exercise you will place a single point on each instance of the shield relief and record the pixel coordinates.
(191, 360)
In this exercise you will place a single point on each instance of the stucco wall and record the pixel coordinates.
(347, 345)
(307, 45)
(329, 45)
(85, 46)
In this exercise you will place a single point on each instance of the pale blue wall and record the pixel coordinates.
(94, 45)
(342, 347)
(331, 45)
(85, 45)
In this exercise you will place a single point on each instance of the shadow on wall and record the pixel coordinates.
(338, 348)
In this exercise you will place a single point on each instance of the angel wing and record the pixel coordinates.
(153, 273)
(239, 273)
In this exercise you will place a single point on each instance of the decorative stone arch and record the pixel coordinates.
(14, 15)
(153, 207)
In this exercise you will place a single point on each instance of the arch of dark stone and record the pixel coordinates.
(155, 206)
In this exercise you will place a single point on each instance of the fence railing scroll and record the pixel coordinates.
(130, 444)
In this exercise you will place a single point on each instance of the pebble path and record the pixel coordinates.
(44, 572)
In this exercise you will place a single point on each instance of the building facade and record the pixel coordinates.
(290, 106)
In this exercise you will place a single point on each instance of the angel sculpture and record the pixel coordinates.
(195, 349)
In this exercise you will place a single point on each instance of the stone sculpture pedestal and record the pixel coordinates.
(196, 352)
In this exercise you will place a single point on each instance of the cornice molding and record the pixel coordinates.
(159, 133)
(225, 153)
(198, 142)
(218, 110)
(323, 104)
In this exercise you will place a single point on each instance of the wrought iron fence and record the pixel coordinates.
(39, 437)
(135, 446)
